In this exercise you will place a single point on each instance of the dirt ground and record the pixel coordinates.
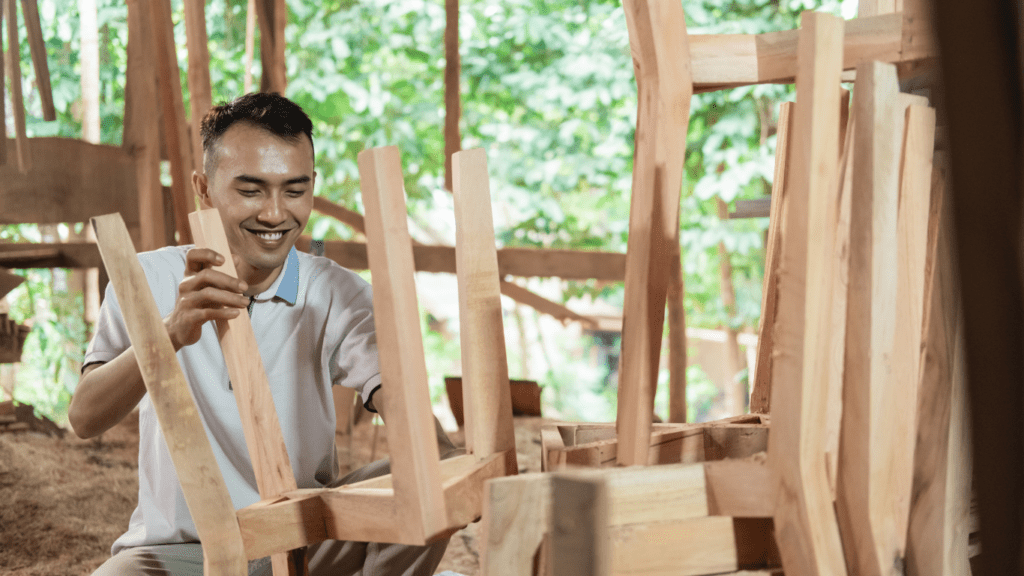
(64, 501)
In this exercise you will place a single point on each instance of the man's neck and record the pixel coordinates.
(257, 279)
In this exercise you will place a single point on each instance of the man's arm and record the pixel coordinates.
(107, 392)
(444, 445)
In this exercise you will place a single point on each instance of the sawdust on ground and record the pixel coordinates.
(63, 502)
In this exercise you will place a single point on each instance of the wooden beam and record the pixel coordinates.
(516, 514)
(676, 339)
(272, 16)
(485, 388)
(580, 543)
(201, 481)
(415, 456)
(3, 88)
(30, 255)
(351, 218)
(545, 306)
(200, 93)
(739, 488)
(250, 36)
(172, 110)
(761, 392)
(22, 153)
(452, 97)
(89, 64)
(658, 43)
(804, 519)
(37, 47)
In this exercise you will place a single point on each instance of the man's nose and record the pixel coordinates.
(272, 211)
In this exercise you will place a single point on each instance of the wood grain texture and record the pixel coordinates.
(865, 498)
(142, 127)
(23, 155)
(676, 339)
(740, 488)
(674, 548)
(804, 520)
(579, 528)
(411, 435)
(661, 63)
(452, 95)
(172, 111)
(201, 482)
(760, 395)
(486, 393)
(516, 515)
(37, 46)
(200, 92)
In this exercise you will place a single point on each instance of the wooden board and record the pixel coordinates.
(677, 339)
(517, 511)
(23, 154)
(201, 482)
(3, 89)
(37, 46)
(414, 451)
(272, 17)
(200, 93)
(485, 390)
(661, 63)
(579, 527)
(804, 519)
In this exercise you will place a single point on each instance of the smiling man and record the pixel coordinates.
(313, 322)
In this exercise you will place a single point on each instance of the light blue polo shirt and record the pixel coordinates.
(314, 327)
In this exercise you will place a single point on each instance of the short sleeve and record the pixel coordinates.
(111, 336)
(354, 362)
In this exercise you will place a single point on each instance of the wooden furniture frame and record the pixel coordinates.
(424, 499)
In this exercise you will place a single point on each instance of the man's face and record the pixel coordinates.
(263, 187)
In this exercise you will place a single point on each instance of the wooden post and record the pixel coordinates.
(661, 62)
(200, 93)
(580, 543)
(676, 340)
(760, 395)
(260, 424)
(141, 127)
(250, 36)
(37, 46)
(485, 386)
(3, 87)
(87, 280)
(735, 391)
(17, 99)
(201, 481)
(452, 98)
(805, 523)
(864, 503)
(414, 451)
(516, 514)
(172, 108)
(272, 17)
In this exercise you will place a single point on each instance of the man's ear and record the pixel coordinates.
(201, 187)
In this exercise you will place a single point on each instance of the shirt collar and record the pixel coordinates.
(286, 286)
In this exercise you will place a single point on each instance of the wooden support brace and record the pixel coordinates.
(485, 388)
(661, 62)
(804, 520)
(200, 478)
(22, 153)
(415, 454)
(37, 46)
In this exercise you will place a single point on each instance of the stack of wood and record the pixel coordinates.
(865, 468)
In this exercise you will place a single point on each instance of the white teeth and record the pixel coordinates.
(270, 235)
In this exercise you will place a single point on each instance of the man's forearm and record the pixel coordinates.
(444, 444)
(106, 394)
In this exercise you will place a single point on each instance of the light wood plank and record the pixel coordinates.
(661, 61)
(804, 520)
(864, 493)
(674, 548)
(37, 47)
(516, 514)
(579, 529)
(200, 93)
(411, 435)
(676, 339)
(452, 96)
(201, 482)
(740, 488)
(22, 153)
(760, 396)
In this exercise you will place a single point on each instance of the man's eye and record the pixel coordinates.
(296, 192)
(247, 192)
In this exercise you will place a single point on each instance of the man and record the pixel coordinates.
(313, 322)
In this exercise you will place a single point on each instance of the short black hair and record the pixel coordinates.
(266, 110)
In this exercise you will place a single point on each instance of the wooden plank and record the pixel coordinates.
(37, 47)
(272, 15)
(201, 482)
(464, 493)
(516, 514)
(260, 425)
(525, 262)
(739, 488)
(452, 97)
(411, 435)
(543, 305)
(172, 111)
(676, 339)
(89, 66)
(875, 7)
(865, 497)
(661, 63)
(351, 218)
(674, 548)
(250, 41)
(200, 93)
(760, 396)
(3, 88)
(22, 152)
(142, 129)
(72, 255)
(804, 519)
(487, 400)
(579, 527)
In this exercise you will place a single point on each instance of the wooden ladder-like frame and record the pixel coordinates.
(425, 499)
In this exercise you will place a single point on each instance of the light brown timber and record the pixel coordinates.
(3, 89)
(200, 92)
(37, 47)
(805, 523)
(544, 306)
(272, 15)
(201, 482)
(516, 515)
(676, 339)
(452, 96)
(580, 543)
(22, 153)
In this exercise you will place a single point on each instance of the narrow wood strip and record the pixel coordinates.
(200, 93)
(544, 306)
(37, 46)
(3, 89)
(677, 339)
(415, 456)
(22, 153)
(272, 15)
(201, 482)
(804, 520)
(452, 96)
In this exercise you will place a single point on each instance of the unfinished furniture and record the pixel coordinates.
(424, 499)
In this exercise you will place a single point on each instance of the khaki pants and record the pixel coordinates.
(331, 557)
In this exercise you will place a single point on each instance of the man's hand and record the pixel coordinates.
(203, 295)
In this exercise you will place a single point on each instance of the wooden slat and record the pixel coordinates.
(661, 63)
(172, 111)
(3, 89)
(411, 436)
(804, 520)
(517, 511)
(37, 46)
(545, 306)
(864, 502)
(579, 527)
(674, 548)
(200, 93)
(739, 488)
(452, 97)
(22, 152)
(761, 392)
(200, 478)
(272, 15)
(485, 391)
(676, 339)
